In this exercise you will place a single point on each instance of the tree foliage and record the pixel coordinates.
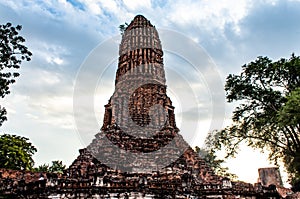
(214, 163)
(123, 27)
(289, 115)
(56, 167)
(12, 53)
(267, 117)
(42, 168)
(16, 152)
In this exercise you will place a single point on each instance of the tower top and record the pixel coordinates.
(139, 21)
(141, 48)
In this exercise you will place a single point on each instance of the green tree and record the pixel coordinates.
(123, 27)
(267, 117)
(57, 167)
(16, 152)
(42, 168)
(289, 115)
(214, 163)
(12, 53)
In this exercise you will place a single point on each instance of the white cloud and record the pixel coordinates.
(55, 60)
(10, 103)
(94, 8)
(137, 4)
(49, 78)
(209, 14)
(49, 53)
(56, 110)
(110, 6)
(35, 82)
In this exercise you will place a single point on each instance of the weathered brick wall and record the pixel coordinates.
(270, 176)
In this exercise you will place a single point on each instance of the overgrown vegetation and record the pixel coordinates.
(12, 54)
(268, 116)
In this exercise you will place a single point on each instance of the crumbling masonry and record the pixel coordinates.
(139, 152)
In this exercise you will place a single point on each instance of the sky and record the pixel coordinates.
(64, 35)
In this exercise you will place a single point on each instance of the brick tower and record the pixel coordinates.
(139, 133)
(140, 106)
(139, 121)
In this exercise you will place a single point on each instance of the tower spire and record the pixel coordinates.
(140, 81)
(138, 22)
(139, 132)
(139, 117)
(141, 47)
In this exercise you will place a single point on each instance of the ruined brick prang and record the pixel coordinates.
(139, 117)
(138, 127)
(140, 60)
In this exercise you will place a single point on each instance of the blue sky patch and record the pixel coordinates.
(76, 4)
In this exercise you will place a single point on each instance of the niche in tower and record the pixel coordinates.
(171, 117)
(108, 116)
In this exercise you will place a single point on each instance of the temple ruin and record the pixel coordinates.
(139, 152)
